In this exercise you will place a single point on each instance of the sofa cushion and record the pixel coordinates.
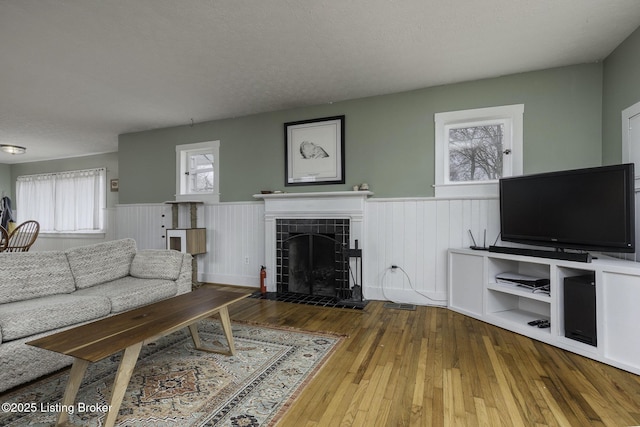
(24, 318)
(20, 363)
(102, 262)
(26, 275)
(131, 292)
(156, 264)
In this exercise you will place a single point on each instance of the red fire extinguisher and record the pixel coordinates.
(263, 276)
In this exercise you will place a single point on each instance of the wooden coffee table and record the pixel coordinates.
(128, 331)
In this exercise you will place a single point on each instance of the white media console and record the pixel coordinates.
(473, 291)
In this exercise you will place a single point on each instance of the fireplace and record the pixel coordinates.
(312, 257)
(299, 226)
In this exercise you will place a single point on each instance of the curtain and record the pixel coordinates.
(63, 202)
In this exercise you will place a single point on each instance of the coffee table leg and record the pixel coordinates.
(193, 328)
(78, 369)
(226, 326)
(128, 362)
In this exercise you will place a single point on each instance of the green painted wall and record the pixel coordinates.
(109, 161)
(389, 140)
(621, 89)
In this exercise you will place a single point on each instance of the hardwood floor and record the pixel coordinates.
(435, 367)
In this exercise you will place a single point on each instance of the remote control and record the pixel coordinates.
(544, 324)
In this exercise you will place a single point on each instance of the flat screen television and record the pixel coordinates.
(590, 209)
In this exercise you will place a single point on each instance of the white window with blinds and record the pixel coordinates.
(65, 202)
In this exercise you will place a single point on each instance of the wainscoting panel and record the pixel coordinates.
(145, 223)
(414, 235)
(235, 243)
(235, 237)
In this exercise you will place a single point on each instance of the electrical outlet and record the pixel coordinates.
(246, 260)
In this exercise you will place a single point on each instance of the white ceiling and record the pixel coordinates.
(76, 73)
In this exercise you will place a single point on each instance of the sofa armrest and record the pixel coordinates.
(185, 278)
(163, 264)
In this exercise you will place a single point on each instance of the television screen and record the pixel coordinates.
(586, 209)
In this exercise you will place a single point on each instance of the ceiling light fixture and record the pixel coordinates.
(13, 149)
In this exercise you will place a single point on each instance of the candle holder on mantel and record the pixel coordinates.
(192, 240)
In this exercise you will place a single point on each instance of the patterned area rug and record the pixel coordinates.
(175, 385)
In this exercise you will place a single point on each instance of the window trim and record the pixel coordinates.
(510, 115)
(182, 153)
(627, 157)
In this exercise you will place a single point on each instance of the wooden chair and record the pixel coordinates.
(24, 235)
(4, 238)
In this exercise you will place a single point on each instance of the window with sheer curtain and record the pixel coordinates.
(66, 202)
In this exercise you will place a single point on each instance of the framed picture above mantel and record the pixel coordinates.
(314, 151)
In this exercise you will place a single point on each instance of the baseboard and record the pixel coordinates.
(407, 296)
(232, 280)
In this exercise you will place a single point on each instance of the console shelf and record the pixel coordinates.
(518, 316)
(519, 291)
(474, 291)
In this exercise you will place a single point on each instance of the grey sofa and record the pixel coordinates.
(46, 292)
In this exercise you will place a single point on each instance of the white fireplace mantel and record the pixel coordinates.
(313, 195)
(334, 204)
(314, 204)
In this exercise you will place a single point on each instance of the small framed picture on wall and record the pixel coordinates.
(314, 151)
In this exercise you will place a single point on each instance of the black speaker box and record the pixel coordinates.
(580, 309)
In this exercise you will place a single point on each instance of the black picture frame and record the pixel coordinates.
(314, 151)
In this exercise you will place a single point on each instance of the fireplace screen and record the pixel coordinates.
(312, 257)
(315, 261)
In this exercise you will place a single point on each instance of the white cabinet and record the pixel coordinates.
(619, 298)
(474, 291)
(468, 299)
